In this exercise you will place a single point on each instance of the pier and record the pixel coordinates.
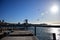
(17, 35)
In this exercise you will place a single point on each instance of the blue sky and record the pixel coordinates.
(35, 11)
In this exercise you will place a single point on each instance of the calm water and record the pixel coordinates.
(44, 33)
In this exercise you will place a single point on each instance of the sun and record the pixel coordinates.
(54, 9)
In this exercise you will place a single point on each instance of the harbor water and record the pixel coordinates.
(46, 33)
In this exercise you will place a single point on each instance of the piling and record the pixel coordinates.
(35, 30)
(54, 36)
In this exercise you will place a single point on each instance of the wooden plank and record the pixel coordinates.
(20, 38)
(21, 33)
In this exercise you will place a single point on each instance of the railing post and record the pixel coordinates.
(35, 30)
(26, 27)
(54, 36)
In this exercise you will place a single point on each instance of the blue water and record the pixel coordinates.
(44, 33)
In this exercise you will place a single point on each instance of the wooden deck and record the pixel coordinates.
(19, 35)
(20, 38)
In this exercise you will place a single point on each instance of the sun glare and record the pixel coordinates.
(55, 30)
(54, 9)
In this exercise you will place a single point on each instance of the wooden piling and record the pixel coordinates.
(35, 30)
(54, 36)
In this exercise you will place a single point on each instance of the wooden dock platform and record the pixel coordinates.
(20, 38)
(19, 35)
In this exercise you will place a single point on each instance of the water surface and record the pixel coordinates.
(45, 33)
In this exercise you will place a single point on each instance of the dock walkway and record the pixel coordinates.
(20, 35)
(20, 38)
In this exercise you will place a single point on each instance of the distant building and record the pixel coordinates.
(2, 20)
(18, 22)
(44, 24)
